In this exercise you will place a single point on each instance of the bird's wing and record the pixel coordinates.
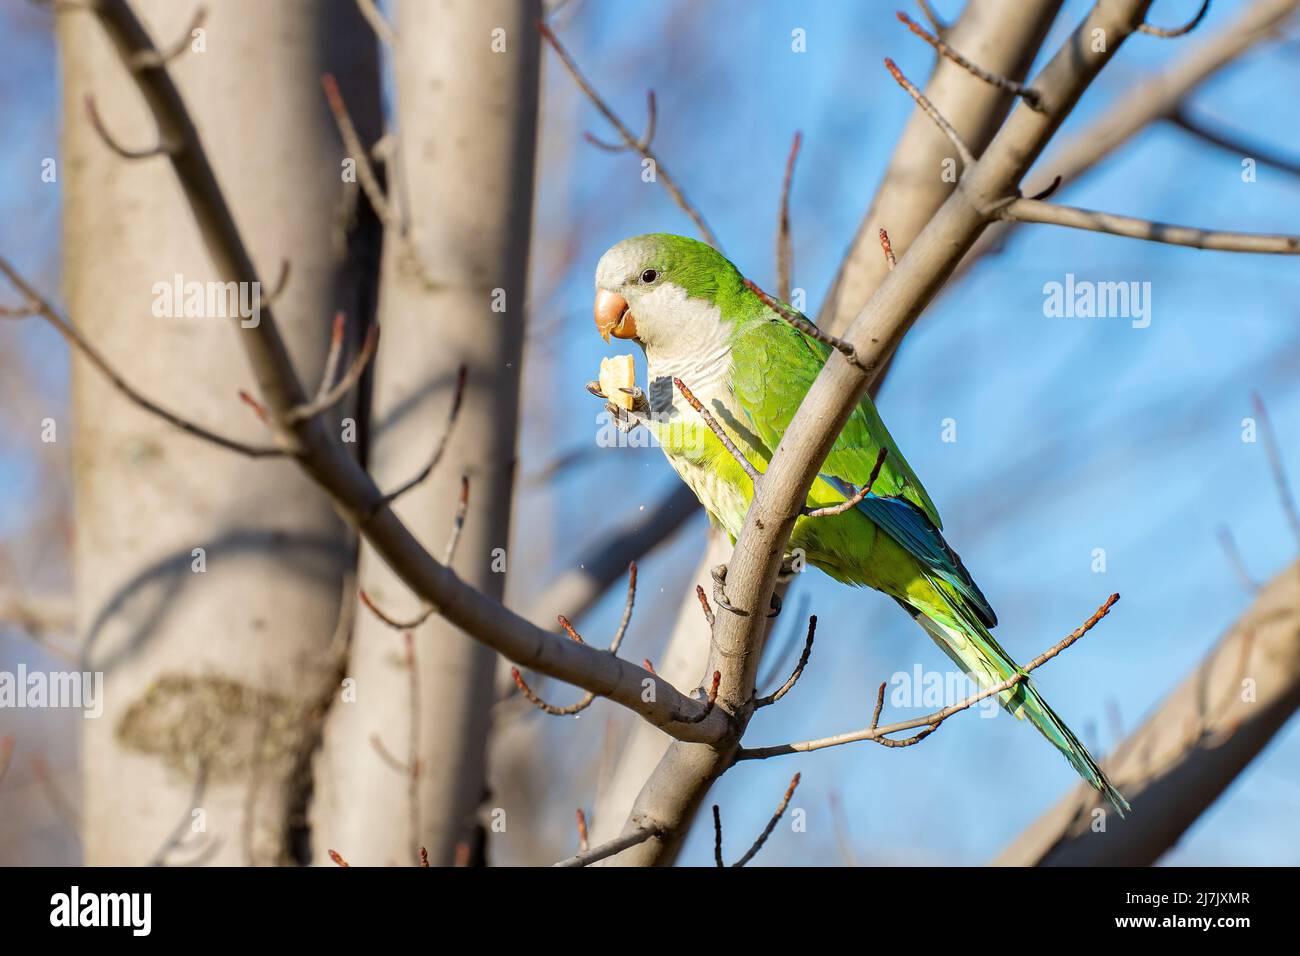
(773, 367)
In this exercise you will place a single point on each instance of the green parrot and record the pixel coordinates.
(691, 312)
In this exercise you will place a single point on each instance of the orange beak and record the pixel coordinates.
(613, 317)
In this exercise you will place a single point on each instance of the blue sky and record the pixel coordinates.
(1073, 434)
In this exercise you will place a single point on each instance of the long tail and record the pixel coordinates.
(968, 642)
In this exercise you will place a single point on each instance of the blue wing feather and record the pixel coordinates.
(908, 525)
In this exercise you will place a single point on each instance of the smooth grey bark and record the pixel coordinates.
(455, 263)
(197, 663)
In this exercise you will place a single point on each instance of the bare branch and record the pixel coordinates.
(617, 845)
(802, 324)
(1178, 31)
(583, 840)
(855, 499)
(887, 248)
(588, 698)
(329, 397)
(1243, 150)
(153, 59)
(1027, 93)
(377, 22)
(704, 604)
(391, 622)
(161, 148)
(458, 398)
(935, 20)
(630, 140)
(1033, 210)
(1229, 544)
(357, 152)
(784, 246)
(963, 152)
(932, 721)
(39, 305)
(457, 522)
(1278, 469)
(642, 144)
(717, 429)
(710, 700)
(798, 670)
(762, 837)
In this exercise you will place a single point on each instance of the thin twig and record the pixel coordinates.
(160, 148)
(357, 152)
(439, 450)
(1229, 544)
(1276, 466)
(709, 701)
(46, 311)
(762, 837)
(798, 670)
(1184, 121)
(333, 395)
(932, 721)
(963, 152)
(589, 697)
(1178, 31)
(1025, 92)
(377, 22)
(153, 59)
(935, 20)
(784, 245)
(704, 604)
(887, 248)
(1032, 210)
(583, 844)
(857, 498)
(642, 144)
(628, 137)
(457, 522)
(617, 845)
(803, 324)
(391, 622)
(717, 429)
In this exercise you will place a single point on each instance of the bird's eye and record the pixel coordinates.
(649, 276)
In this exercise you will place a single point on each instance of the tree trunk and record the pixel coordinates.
(203, 578)
(453, 290)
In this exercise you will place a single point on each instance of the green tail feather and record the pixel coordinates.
(970, 645)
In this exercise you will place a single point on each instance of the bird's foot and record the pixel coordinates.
(624, 420)
(719, 573)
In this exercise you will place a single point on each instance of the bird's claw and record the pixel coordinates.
(775, 605)
(719, 573)
(594, 387)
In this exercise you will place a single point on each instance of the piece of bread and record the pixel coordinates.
(616, 374)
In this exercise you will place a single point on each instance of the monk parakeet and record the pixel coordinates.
(691, 312)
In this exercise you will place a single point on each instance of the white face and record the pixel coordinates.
(670, 326)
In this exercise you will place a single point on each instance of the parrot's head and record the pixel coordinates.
(663, 291)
